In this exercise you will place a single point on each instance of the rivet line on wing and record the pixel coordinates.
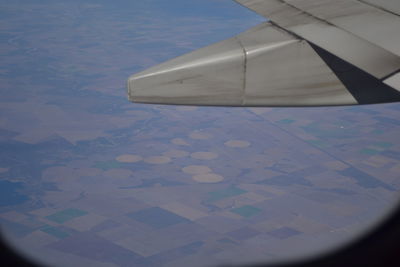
(379, 7)
(243, 95)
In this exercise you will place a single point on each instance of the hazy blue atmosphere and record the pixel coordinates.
(90, 179)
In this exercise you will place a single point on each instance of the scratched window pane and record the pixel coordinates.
(90, 179)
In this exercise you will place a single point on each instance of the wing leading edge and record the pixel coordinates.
(298, 59)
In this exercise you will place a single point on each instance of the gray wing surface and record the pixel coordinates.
(311, 53)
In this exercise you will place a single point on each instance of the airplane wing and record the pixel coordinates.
(309, 53)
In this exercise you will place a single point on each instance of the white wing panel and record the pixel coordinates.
(372, 24)
(369, 57)
(394, 81)
(366, 56)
